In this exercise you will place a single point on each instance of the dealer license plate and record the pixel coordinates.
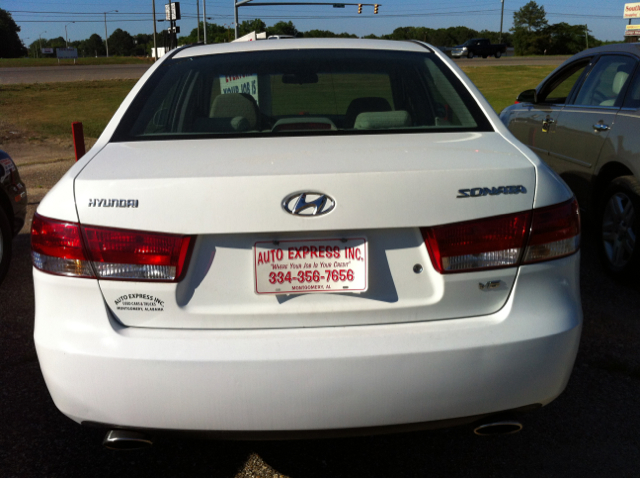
(310, 266)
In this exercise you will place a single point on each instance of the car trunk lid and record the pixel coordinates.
(229, 194)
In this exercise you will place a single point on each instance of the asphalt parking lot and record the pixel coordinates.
(592, 429)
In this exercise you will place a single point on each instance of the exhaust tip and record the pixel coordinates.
(499, 428)
(120, 440)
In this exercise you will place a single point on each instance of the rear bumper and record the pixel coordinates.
(308, 379)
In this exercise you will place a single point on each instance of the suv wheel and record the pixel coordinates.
(470, 55)
(619, 224)
(498, 54)
(5, 244)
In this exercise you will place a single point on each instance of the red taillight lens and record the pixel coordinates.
(69, 249)
(122, 254)
(480, 244)
(555, 232)
(504, 241)
(56, 247)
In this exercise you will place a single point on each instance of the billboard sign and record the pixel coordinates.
(67, 52)
(172, 11)
(632, 10)
(632, 31)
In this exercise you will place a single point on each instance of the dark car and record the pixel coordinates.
(583, 120)
(13, 208)
(478, 47)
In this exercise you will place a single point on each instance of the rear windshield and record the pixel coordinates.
(309, 92)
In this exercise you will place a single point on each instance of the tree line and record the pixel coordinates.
(121, 43)
(531, 35)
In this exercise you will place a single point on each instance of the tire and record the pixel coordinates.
(5, 244)
(498, 54)
(470, 55)
(618, 225)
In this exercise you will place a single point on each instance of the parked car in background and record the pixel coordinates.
(479, 47)
(583, 120)
(310, 237)
(13, 209)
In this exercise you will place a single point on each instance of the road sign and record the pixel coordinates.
(632, 31)
(67, 52)
(47, 51)
(172, 11)
(632, 10)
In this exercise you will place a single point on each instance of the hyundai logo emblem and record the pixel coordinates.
(309, 203)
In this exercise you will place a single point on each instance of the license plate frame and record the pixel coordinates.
(334, 260)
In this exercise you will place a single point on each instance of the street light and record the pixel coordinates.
(66, 37)
(106, 42)
(40, 42)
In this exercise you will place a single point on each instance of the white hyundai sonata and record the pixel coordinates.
(301, 238)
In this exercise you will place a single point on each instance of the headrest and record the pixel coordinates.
(382, 120)
(232, 105)
(618, 81)
(362, 105)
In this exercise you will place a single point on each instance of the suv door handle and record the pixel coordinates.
(598, 127)
(546, 124)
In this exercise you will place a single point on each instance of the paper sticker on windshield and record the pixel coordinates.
(240, 84)
(139, 302)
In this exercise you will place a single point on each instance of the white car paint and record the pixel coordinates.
(414, 348)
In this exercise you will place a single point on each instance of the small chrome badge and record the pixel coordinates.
(308, 203)
(493, 191)
(112, 203)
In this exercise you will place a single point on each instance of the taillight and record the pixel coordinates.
(139, 255)
(108, 253)
(480, 244)
(56, 247)
(505, 241)
(555, 232)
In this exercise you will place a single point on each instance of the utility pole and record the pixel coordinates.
(66, 37)
(204, 19)
(40, 43)
(106, 42)
(586, 34)
(155, 46)
(501, 18)
(198, 19)
(235, 16)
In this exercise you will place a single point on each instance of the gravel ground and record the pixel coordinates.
(590, 430)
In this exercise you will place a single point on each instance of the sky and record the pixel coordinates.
(47, 18)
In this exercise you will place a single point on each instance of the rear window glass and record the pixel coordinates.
(300, 92)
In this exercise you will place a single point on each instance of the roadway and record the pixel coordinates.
(65, 73)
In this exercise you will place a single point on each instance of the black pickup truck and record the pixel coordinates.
(478, 47)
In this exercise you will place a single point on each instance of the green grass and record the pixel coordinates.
(44, 62)
(501, 85)
(47, 109)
